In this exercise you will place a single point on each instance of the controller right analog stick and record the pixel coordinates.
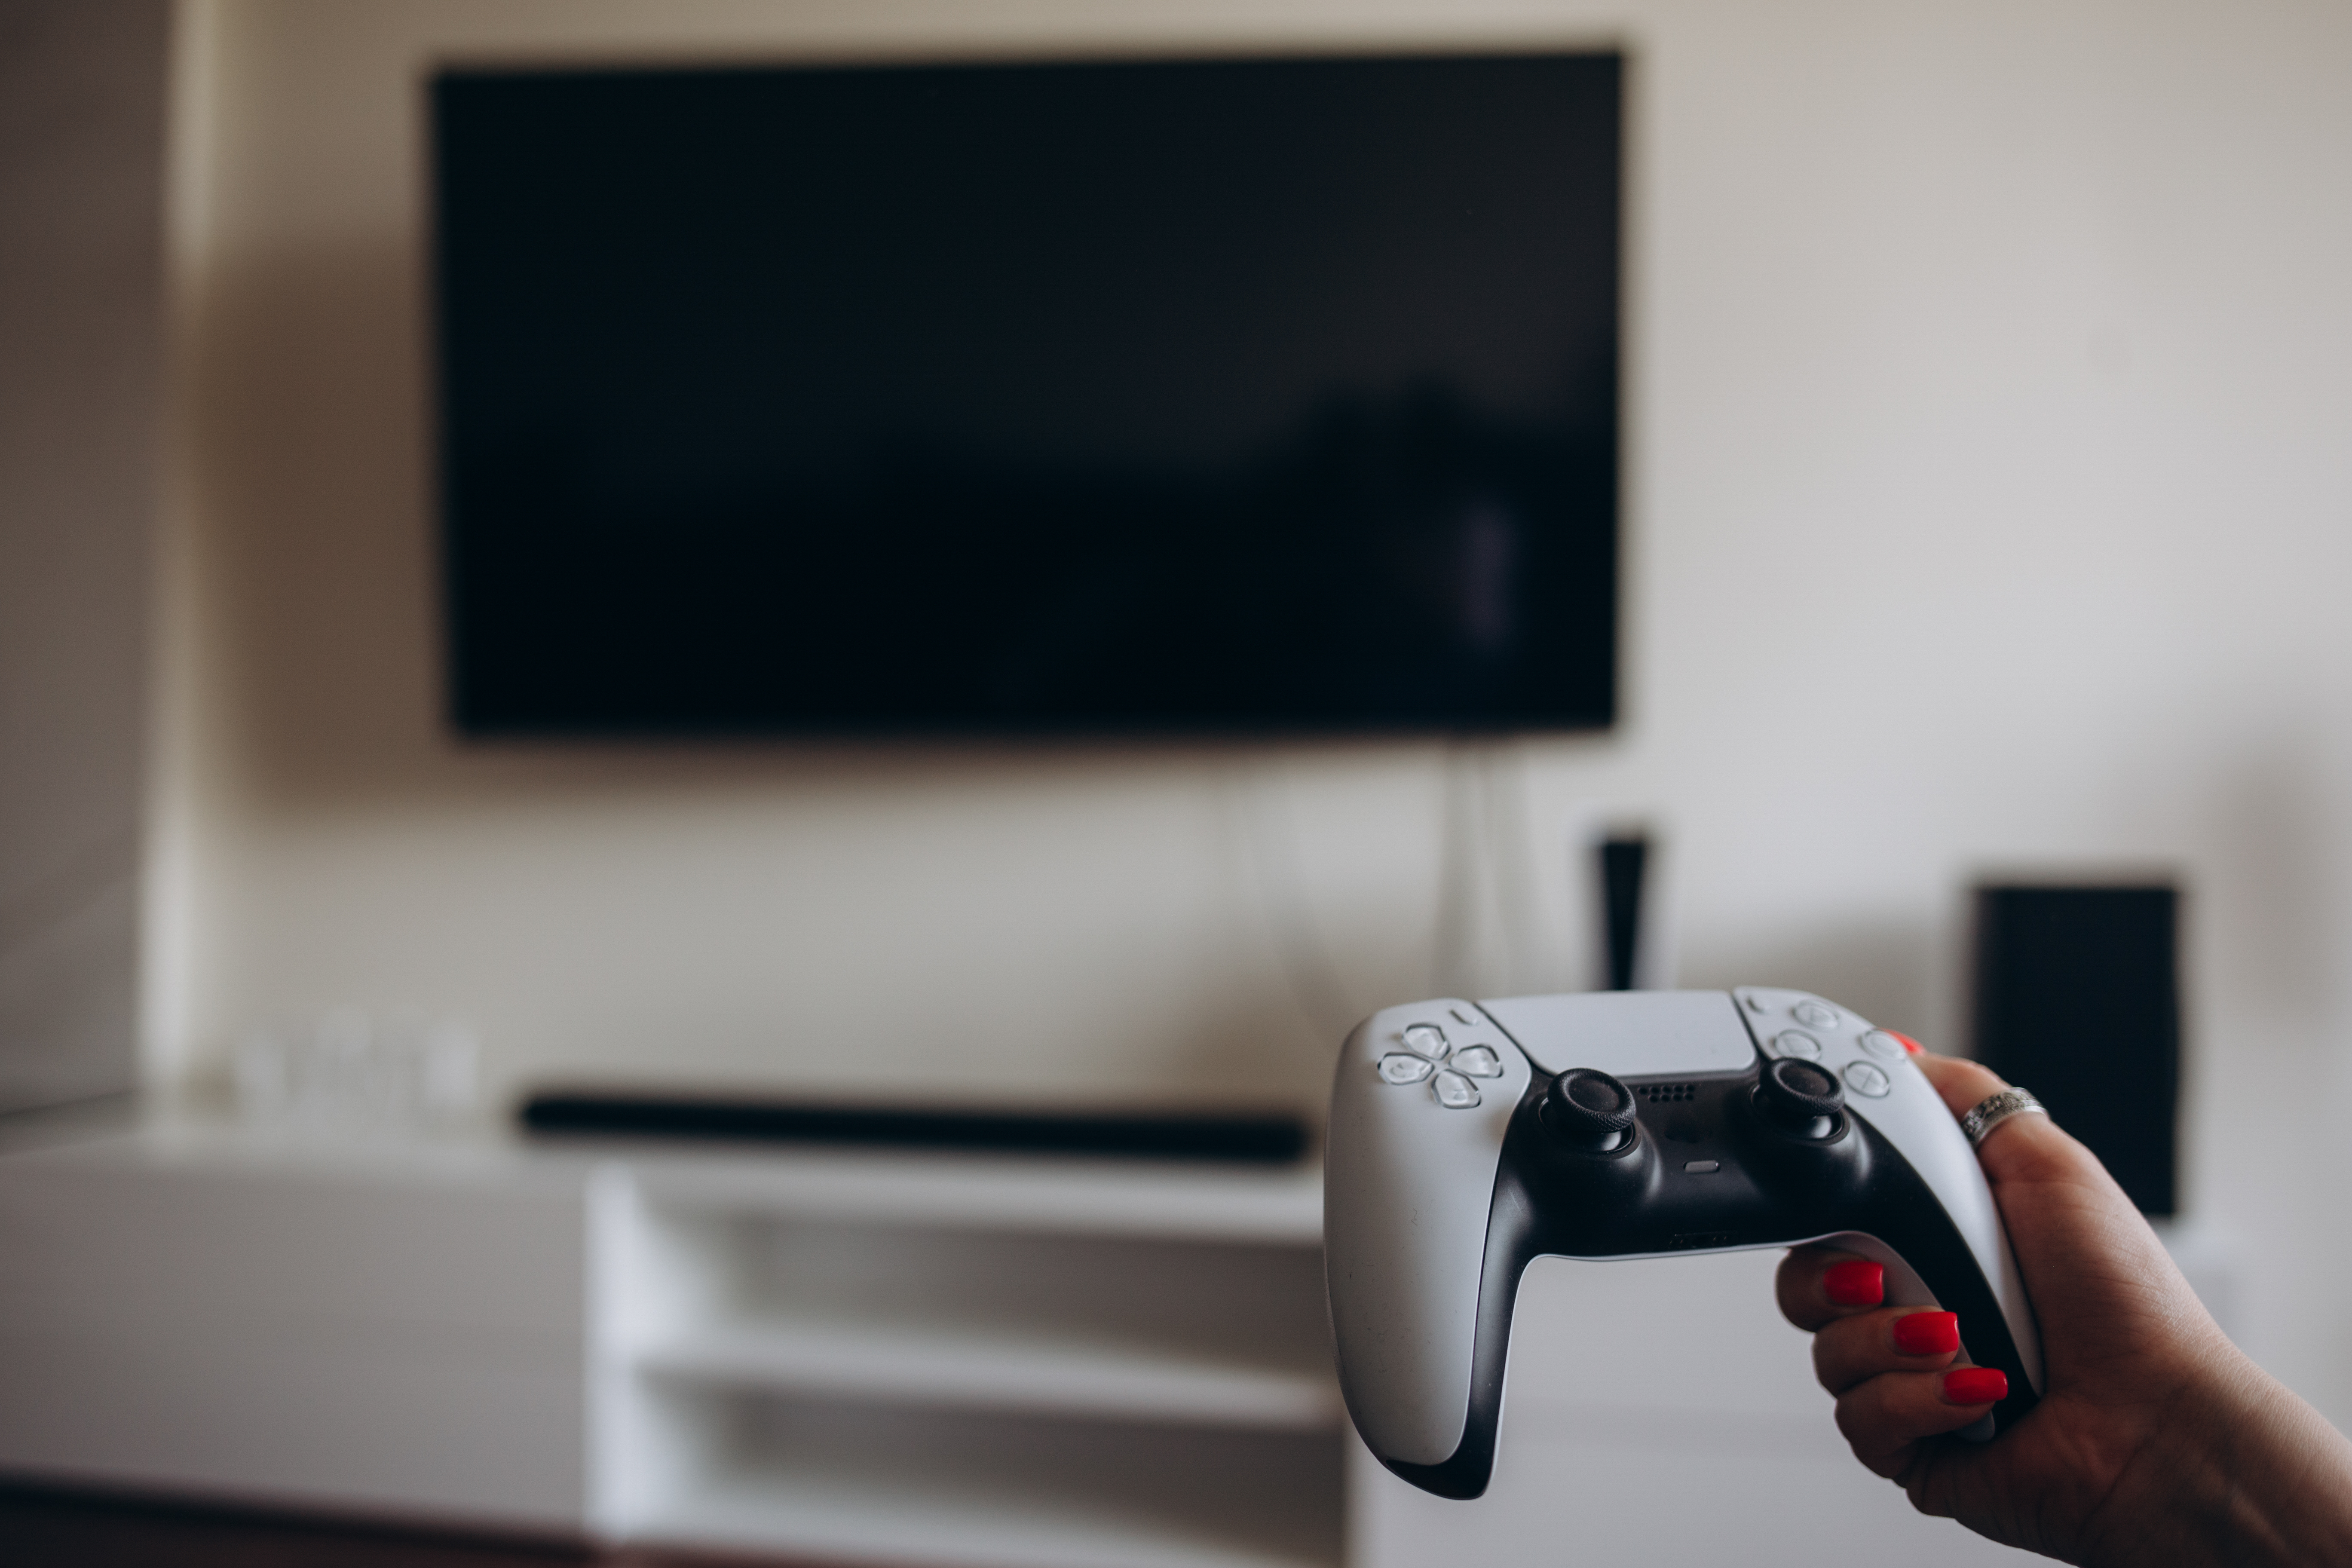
(1801, 1099)
(1587, 1109)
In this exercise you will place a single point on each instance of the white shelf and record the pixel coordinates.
(967, 1360)
(1283, 1205)
(859, 1521)
(948, 1368)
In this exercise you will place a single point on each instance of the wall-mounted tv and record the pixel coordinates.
(1147, 397)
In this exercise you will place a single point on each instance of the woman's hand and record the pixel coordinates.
(2155, 1441)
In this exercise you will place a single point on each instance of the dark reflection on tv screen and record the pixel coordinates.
(1215, 396)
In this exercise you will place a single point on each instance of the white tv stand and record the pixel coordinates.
(948, 1360)
(845, 1359)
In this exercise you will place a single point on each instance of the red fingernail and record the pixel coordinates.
(1975, 1385)
(1927, 1333)
(1913, 1046)
(1854, 1283)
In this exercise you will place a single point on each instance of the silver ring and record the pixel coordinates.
(1995, 1109)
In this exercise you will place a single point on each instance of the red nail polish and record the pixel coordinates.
(1856, 1282)
(1975, 1385)
(1927, 1333)
(1913, 1046)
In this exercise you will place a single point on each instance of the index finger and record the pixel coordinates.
(1818, 1285)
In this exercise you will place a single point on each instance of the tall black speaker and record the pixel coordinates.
(2078, 999)
(1623, 858)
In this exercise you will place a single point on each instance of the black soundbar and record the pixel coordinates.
(1237, 1139)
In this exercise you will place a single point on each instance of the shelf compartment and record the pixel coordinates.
(855, 1483)
(1000, 1193)
(949, 1368)
(1210, 1304)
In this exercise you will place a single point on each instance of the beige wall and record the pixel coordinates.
(81, 175)
(1991, 486)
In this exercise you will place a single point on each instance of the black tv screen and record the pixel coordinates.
(1197, 396)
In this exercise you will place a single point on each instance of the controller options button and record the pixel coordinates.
(1428, 1039)
(1701, 1167)
(1797, 1043)
(1814, 1014)
(1398, 1067)
(1453, 1091)
(1866, 1078)
(1478, 1061)
(1882, 1045)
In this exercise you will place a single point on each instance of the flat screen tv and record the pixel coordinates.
(1166, 398)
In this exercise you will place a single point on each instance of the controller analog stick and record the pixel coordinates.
(1800, 1098)
(1586, 1109)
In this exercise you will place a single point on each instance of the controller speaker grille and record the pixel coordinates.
(1669, 1093)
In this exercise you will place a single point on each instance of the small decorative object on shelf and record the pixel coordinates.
(349, 1071)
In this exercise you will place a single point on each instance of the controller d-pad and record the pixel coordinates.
(1478, 1061)
(1400, 1067)
(1427, 1039)
(1453, 1091)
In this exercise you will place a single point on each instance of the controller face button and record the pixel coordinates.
(1478, 1062)
(1453, 1091)
(1800, 1098)
(1814, 1014)
(1797, 1043)
(1882, 1045)
(1399, 1068)
(1428, 1039)
(1862, 1078)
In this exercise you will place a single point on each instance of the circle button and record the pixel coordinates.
(1866, 1078)
(1882, 1045)
(1814, 1014)
(1797, 1043)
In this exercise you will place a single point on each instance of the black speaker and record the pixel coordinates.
(2078, 999)
(1623, 858)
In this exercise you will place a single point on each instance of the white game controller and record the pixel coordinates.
(1467, 1139)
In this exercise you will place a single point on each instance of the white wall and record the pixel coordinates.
(1990, 482)
(81, 245)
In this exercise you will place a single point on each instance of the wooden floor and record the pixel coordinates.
(58, 1530)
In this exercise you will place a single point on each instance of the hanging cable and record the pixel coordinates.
(1278, 876)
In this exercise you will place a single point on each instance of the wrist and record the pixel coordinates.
(2238, 1471)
